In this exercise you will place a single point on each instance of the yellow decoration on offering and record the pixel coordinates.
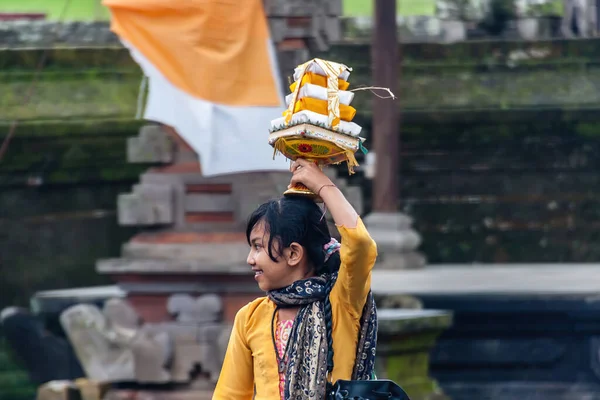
(346, 113)
(333, 72)
(316, 144)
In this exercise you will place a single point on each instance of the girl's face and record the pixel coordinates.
(269, 274)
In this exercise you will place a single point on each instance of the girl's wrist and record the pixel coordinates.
(323, 186)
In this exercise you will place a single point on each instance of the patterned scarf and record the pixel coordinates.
(309, 358)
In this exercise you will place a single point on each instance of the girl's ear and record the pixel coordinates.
(294, 254)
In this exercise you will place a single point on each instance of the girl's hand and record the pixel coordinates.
(312, 177)
(309, 174)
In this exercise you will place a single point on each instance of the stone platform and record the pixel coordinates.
(486, 279)
(520, 331)
(183, 394)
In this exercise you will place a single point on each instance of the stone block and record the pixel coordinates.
(453, 31)
(405, 340)
(333, 28)
(58, 390)
(204, 309)
(389, 221)
(141, 394)
(302, 8)
(104, 353)
(208, 254)
(21, 33)
(279, 29)
(392, 231)
(91, 390)
(314, 27)
(396, 241)
(398, 301)
(410, 260)
(354, 196)
(116, 266)
(334, 7)
(208, 202)
(152, 145)
(293, 8)
(148, 205)
(251, 190)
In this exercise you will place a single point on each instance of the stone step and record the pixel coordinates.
(190, 394)
(126, 266)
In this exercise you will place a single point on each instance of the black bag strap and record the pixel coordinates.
(329, 330)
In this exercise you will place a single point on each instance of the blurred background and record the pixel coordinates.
(485, 208)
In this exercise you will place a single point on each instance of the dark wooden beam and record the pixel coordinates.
(386, 135)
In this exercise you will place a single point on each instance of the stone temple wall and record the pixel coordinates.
(37, 33)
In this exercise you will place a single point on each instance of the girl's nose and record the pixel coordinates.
(250, 259)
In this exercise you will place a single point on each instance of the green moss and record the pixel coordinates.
(588, 129)
(116, 173)
(89, 98)
(405, 360)
(69, 58)
(71, 152)
(482, 53)
(14, 381)
(80, 74)
(104, 82)
(76, 127)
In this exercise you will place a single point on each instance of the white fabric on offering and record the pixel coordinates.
(319, 93)
(310, 117)
(316, 69)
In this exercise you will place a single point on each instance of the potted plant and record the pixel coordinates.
(537, 18)
(454, 14)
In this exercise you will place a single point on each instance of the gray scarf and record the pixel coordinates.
(310, 346)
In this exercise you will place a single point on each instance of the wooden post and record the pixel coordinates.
(386, 117)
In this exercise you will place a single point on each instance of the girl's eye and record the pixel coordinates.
(257, 246)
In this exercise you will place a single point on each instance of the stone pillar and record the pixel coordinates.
(406, 337)
(392, 230)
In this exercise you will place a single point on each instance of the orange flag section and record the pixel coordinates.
(215, 50)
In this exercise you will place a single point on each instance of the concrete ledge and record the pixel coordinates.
(399, 321)
(525, 279)
(168, 267)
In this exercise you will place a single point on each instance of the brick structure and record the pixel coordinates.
(194, 241)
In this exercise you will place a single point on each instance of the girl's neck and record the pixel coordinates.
(306, 275)
(310, 273)
(286, 314)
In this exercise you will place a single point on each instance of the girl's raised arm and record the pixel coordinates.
(313, 178)
(358, 252)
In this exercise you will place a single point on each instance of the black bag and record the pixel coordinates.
(372, 389)
(377, 389)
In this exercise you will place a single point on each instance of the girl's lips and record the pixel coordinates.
(257, 274)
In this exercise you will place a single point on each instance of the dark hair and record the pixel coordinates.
(295, 219)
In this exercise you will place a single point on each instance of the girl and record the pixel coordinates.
(317, 323)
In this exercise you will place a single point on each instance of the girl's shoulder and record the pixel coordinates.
(257, 309)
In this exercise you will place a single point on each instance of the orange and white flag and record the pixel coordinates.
(212, 75)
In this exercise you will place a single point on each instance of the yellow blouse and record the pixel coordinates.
(250, 363)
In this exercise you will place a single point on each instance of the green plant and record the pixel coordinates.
(546, 9)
